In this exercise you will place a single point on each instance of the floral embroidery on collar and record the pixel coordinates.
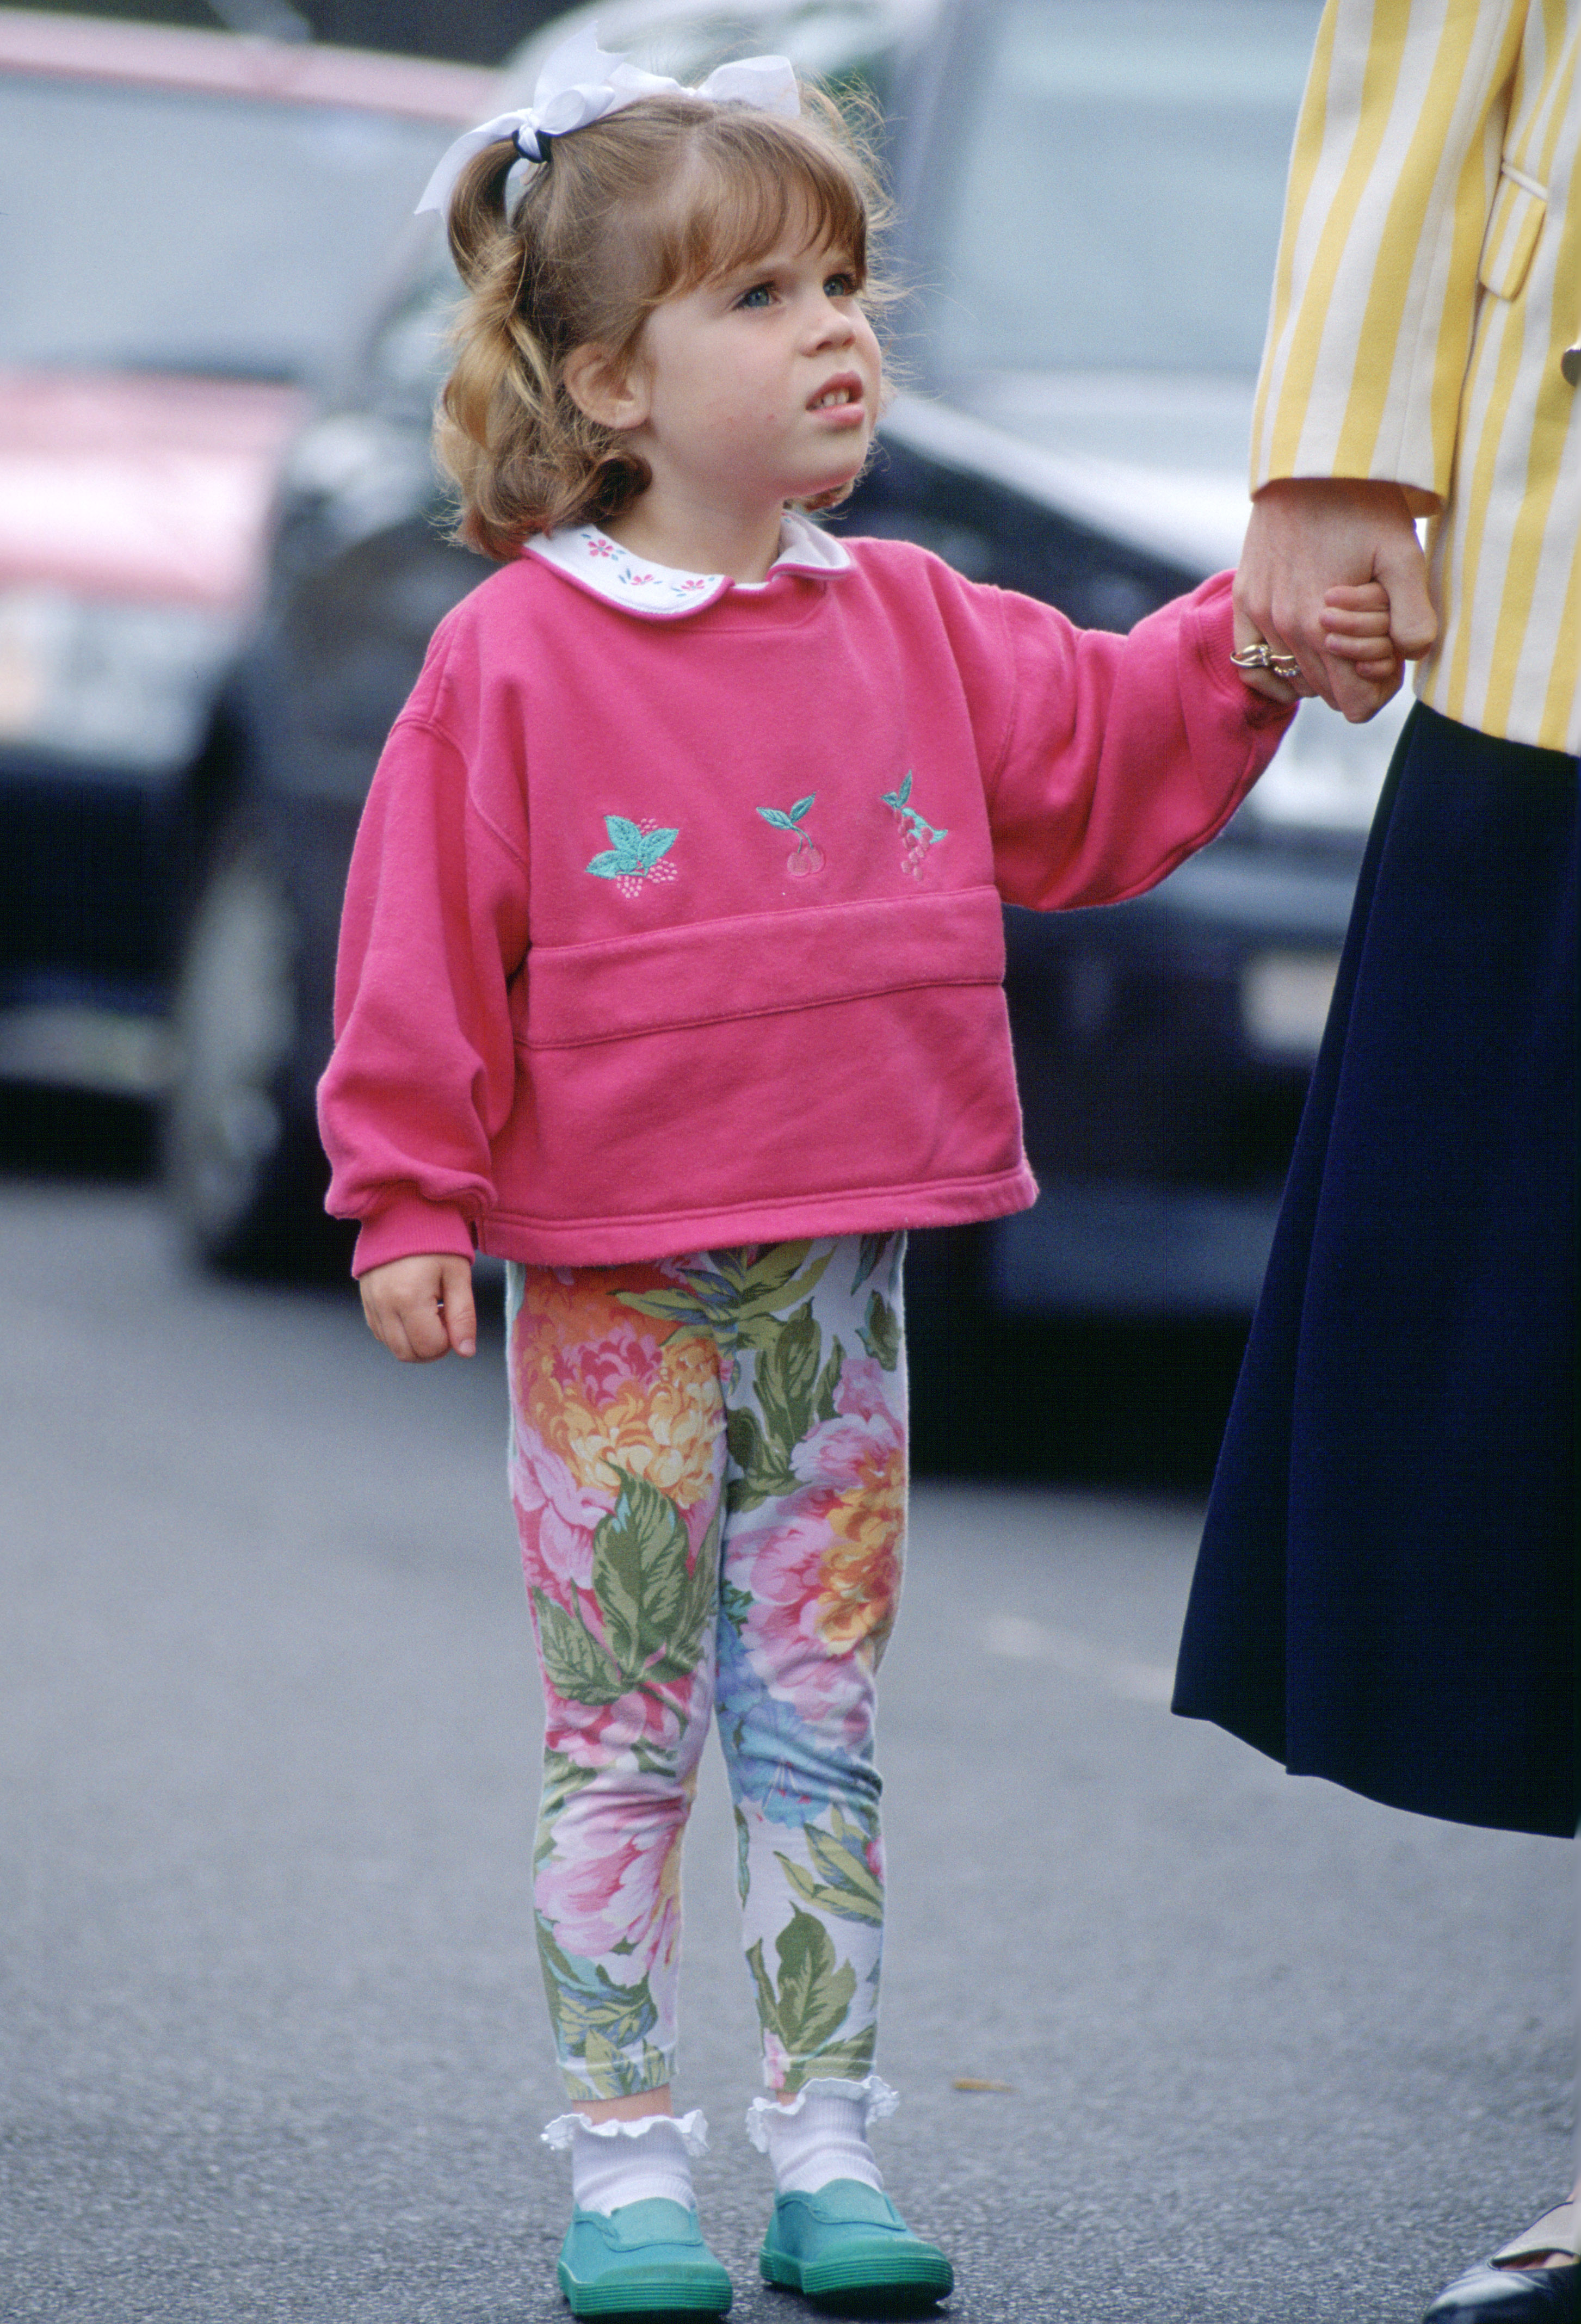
(605, 567)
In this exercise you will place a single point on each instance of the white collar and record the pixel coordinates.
(587, 555)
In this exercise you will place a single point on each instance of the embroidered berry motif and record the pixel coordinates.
(640, 852)
(807, 856)
(917, 834)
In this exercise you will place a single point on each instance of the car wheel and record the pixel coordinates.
(242, 1168)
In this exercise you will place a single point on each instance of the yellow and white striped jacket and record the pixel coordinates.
(1429, 285)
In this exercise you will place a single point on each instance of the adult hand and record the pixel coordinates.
(420, 1308)
(1311, 534)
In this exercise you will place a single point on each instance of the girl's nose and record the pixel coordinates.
(833, 326)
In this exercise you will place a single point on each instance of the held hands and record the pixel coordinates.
(1332, 578)
(421, 1309)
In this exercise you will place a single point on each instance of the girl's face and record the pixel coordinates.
(761, 387)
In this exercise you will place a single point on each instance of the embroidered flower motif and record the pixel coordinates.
(806, 857)
(917, 833)
(599, 547)
(637, 852)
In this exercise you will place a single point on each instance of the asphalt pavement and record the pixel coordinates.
(271, 2045)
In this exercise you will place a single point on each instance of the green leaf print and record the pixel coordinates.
(783, 821)
(815, 1987)
(580, 1669)
(785, 1382)
(870, 1250)
(843, 2061)
(879, 1333)
(563, 1776)
(764, 1470)
(828, 1380)
(634, 851)
(699, 1599)
(847, 1888)
(638, 1574)
(781, 1274)
(596, 2017)
(677, 1307)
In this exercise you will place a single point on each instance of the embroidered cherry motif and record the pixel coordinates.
(807, 856)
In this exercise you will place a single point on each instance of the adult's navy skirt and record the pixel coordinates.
(1386, 1593)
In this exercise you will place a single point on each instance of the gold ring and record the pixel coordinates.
(1253, 657)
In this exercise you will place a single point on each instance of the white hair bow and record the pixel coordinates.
(579, 84)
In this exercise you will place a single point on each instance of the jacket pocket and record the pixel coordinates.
(757, 966)
(1520, 207)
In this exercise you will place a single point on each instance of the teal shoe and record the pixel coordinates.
(639, 2260)
(847, 2239)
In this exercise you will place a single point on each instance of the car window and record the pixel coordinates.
(164, 230)
(1108, 185)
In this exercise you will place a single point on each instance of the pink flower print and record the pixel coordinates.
(611, 1889)
(823, 1575)
(863, 1440)
(597, 546)
(658, 1718)
(558, 1515)
(776, 2063)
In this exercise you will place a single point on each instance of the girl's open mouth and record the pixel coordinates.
(843, 395)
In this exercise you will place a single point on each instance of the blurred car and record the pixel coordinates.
(1089, 196)
(187, 219)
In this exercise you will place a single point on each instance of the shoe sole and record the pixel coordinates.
(676, 2293)
(911, 2275)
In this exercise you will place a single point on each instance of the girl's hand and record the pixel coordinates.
(1355, 628)
(1313, 539)
(421, 1309)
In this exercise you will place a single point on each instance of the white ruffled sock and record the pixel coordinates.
(821, 2134)
(616, 2163)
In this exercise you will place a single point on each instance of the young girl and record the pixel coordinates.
(670, 973)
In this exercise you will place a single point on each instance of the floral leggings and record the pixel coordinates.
(707, 1464)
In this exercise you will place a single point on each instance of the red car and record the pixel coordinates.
(187, 222)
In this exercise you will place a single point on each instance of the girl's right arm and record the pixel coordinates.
(423, 1072)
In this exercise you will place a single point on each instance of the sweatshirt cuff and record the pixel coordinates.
(410, 1228)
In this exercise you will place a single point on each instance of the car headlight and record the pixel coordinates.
(1327, 773)
(101, 680)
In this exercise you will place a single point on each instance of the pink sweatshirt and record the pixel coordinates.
(674, 916)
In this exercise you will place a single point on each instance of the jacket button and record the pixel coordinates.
(1570, 363)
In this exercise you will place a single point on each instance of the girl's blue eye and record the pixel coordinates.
(758, 296)
(841, 286)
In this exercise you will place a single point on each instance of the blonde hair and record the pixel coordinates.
(646, 204)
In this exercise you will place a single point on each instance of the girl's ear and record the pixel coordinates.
(616, 399)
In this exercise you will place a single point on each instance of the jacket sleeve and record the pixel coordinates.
(1124, 755)
(1395, 194)
(423, 1075)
